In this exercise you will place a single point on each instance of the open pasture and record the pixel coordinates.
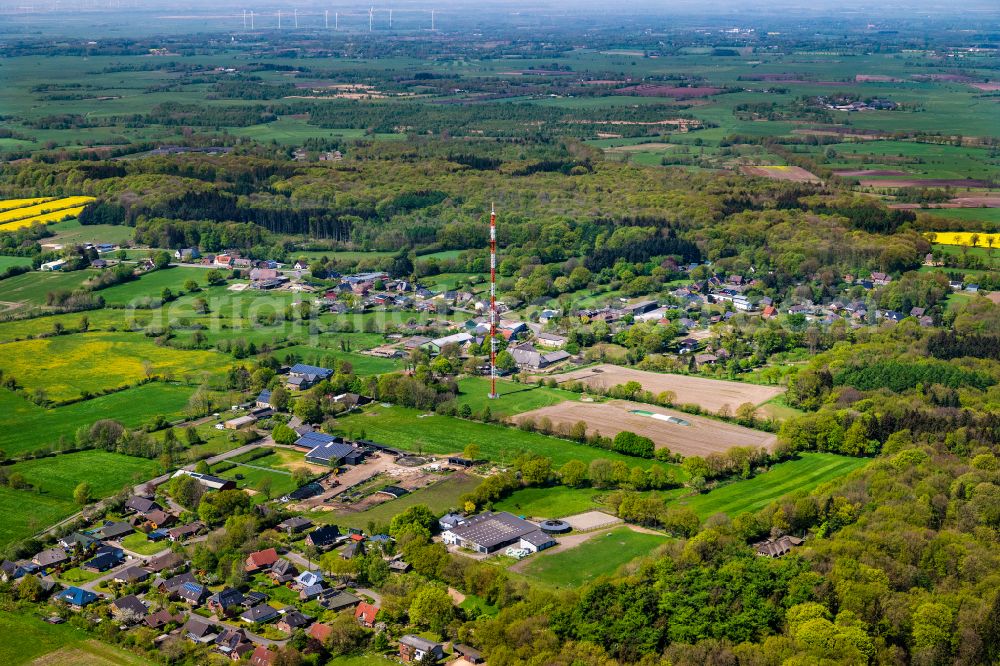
(514, 398)
(694, 436)
(68, 366)
(31, 288)
(30, 640)
(709, 394)
(413, 430)
(24, 426)
(71, 231)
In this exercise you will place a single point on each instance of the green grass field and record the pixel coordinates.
(439, 498)
(71, 231)
(31, 288)
(27, 511)
(554, 502)
(7, 262)
(252, 477)
(409, 429)
(799, 475)
(362, 364)
(514, 398)
(25, 426)
(66, 366)
(151, 284)
(28, 638)
(600, 555)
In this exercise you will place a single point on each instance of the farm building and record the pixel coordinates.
(489, 532)
(208, 481)
(777, 547)
(310, 439)
(240, 422)
(330, 454)
(435, 346)
(294, 524)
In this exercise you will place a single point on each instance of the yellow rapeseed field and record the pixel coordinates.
(43, 208)
(964, 238)
(57, 216)
(8, 204)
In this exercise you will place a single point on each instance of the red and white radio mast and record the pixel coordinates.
(493, 302)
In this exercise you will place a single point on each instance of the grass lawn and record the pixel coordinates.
(24, 426)
(76, 575)
(253, 477)
(514, 398)
(600, 555)
(28, 638)
(66, 366)
(412, 430)
(71, 231)
(439, 497)
(554, 502)
(799, 475)
(477, 606)
(362, 660)
(138, 543)
(778, 408)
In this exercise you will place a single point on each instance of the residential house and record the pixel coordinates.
(323, 537)
(417, 649)
(352, 550)
(186, 254)
(301, 376)
(309, 578)
(198, 630)
(76, 597)
(450, 520)
(777, 547)
(458, 339)
(170, 586)
(11, 571)
(490, 531)
(292, 620)
(320, 632)
(192, 593)
(129, 609)
(161, 618)
(223, 261)
(550, 340)
(158, 518)
(225, 600)
(107, 558)
(132, 575)
(262, 559)
(78, 539)
(529, 358)
(881, 279)
(259, 614)
(337, 600)
(311, 592)
(295, 525)
(183, 532)
(50, 558)
(262, 656)
(283, 571)
(114, 530)
(233, 643)
(140, 504)
(398, 565)
(365, 614)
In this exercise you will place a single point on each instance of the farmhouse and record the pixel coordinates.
(529, 358)
(489, 532)
(301, 376)
(435, 346)
(777, 547)
(416, 649)
(294, 525)
(365, 614)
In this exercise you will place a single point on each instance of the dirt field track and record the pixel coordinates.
(709, 394)
(793, 173)
(701, 437)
